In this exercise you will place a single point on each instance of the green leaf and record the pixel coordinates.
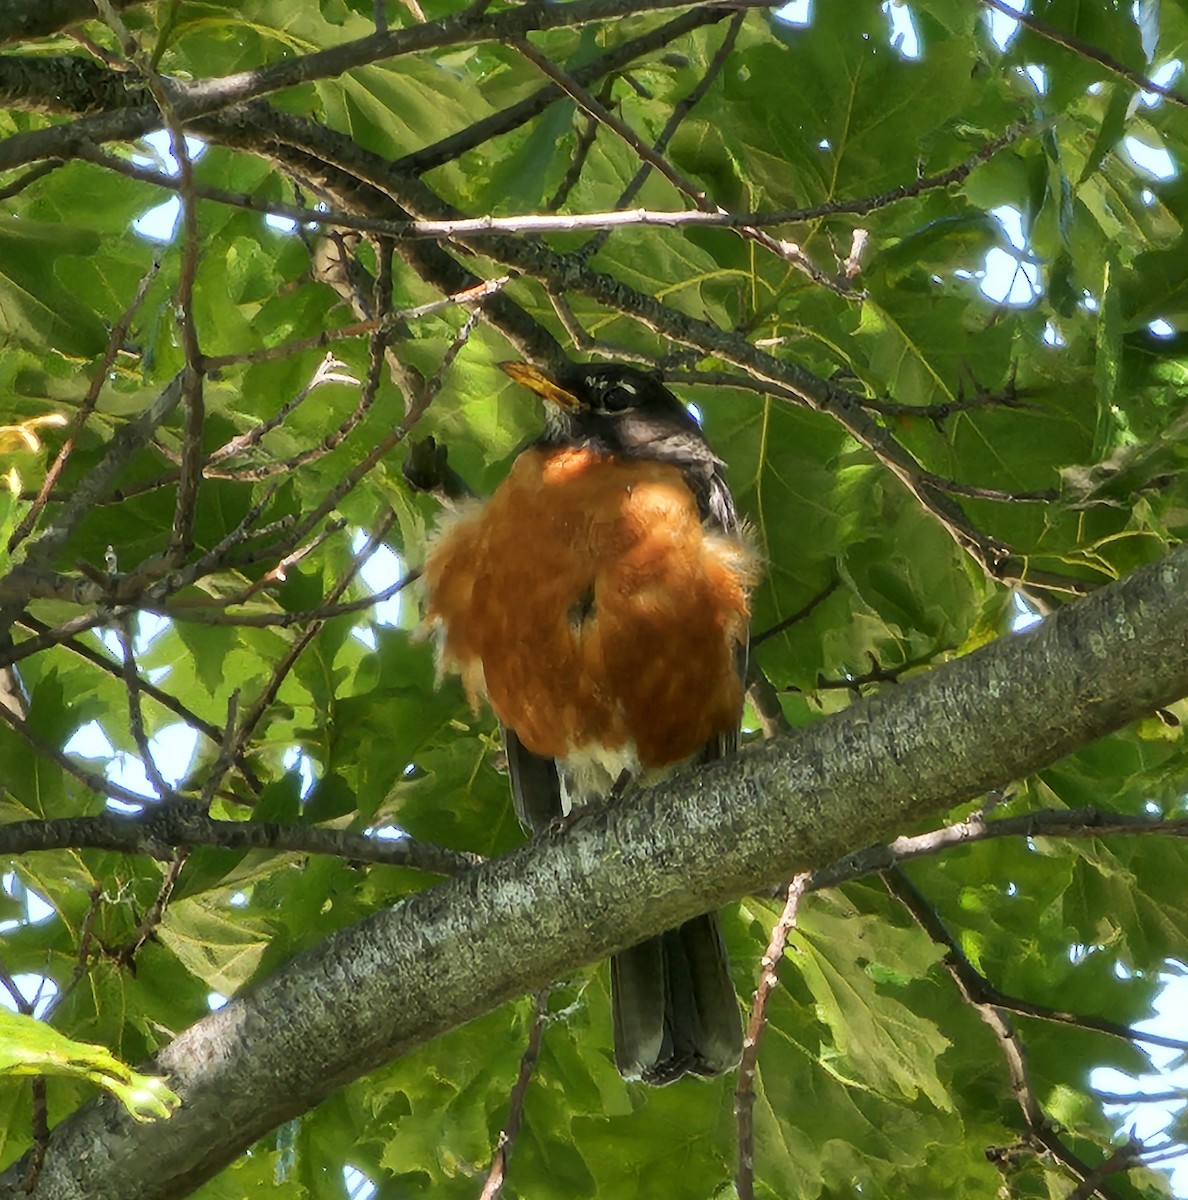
(31, 1047)
(37, 304)
(215, 943)
(878, 1041)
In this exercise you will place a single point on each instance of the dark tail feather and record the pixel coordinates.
(675, 1010)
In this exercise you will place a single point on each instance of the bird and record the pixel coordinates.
(599, 601)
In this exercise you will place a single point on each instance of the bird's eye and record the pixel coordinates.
(619, 398)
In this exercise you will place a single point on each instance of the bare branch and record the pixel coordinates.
(585, 143)
(95, 783)
(610, 61)
(127, 441)
(229, 750)
(782, 249)
(801, 614)
(765, 700)
(878, 674)
(161, 830)
(132, 684)
(536, 223)
(1058, 822)
(147, 927)
(515, 1113)
(389, 321)
(209, 614)
(1171, 1096)
(31, 176)
(976, 492)
(1122, 1159)
(190, 475)
(289, 659)
(744, 1092)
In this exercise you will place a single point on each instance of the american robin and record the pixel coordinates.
(599, 601)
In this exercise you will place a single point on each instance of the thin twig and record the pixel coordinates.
(325, 372)
(329, 443)
(123, 445)
(581, 152)
(96, 783)
(228, 751)
(614, 59)
(939, 413)
(192, 100)
(744, 1092)
(878, 674)
(478, 227)
(1124, 1158)
(515, 1112)
(1057, 822)
(208, 615)
(976, 492)
(32, 175)
(147, 927)
(1171, 1096)
(765, 700)
(389, 321)
(801, 614)
(82, 955)
(132, 685)
(289, 659)
(280, 571)
(181, 535)
(56, 635)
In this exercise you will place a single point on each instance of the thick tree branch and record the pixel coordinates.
(25, 19)
(627, 871)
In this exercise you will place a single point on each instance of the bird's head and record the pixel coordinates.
(621, 407)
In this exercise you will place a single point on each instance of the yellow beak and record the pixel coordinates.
(538, 382)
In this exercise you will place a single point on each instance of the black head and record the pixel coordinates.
(619, 407)
(626, 411)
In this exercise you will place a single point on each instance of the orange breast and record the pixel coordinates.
(588, 603)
